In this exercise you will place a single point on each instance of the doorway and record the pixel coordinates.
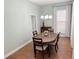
(34, 22)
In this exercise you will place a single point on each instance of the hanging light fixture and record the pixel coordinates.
(42, 17)
(50, 16)
(46, 16)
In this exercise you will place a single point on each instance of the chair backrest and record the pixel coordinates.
(35, 33)
(57, 38)
(37, 42)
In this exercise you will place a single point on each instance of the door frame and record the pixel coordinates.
(36, 22)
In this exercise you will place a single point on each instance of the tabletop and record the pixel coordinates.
(48, 38)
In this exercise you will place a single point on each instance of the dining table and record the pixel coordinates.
(50, 37)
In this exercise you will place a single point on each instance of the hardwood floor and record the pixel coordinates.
(64, 51)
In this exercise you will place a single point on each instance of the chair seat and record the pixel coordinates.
(52, 43)
(40, 48)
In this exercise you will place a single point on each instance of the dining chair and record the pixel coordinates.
(39, 46)
(55, 43)
(35, 33)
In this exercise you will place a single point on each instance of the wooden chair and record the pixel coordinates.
(55, 43)
(39, 46)
(35, 33)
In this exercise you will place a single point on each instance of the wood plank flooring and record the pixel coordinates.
(64, 51)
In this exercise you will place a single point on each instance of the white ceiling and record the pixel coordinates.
(46, 2)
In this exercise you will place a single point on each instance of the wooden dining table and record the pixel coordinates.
(47, 38)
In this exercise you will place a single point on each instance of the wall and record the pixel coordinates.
(72, 29)
(47, 10)
(17, 23)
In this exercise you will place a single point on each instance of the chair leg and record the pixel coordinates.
(49, 50)
(35, 53)
(57, 46)
(56, 49)
(43, 54)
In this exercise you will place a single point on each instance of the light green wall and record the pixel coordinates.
(18, 27)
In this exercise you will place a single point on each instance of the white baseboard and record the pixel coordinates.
(10, 53)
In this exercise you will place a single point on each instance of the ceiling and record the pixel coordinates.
(46, 2)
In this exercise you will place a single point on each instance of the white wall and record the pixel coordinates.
(72, 30)
(18, 27)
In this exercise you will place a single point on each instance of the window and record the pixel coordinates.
(61, 20)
